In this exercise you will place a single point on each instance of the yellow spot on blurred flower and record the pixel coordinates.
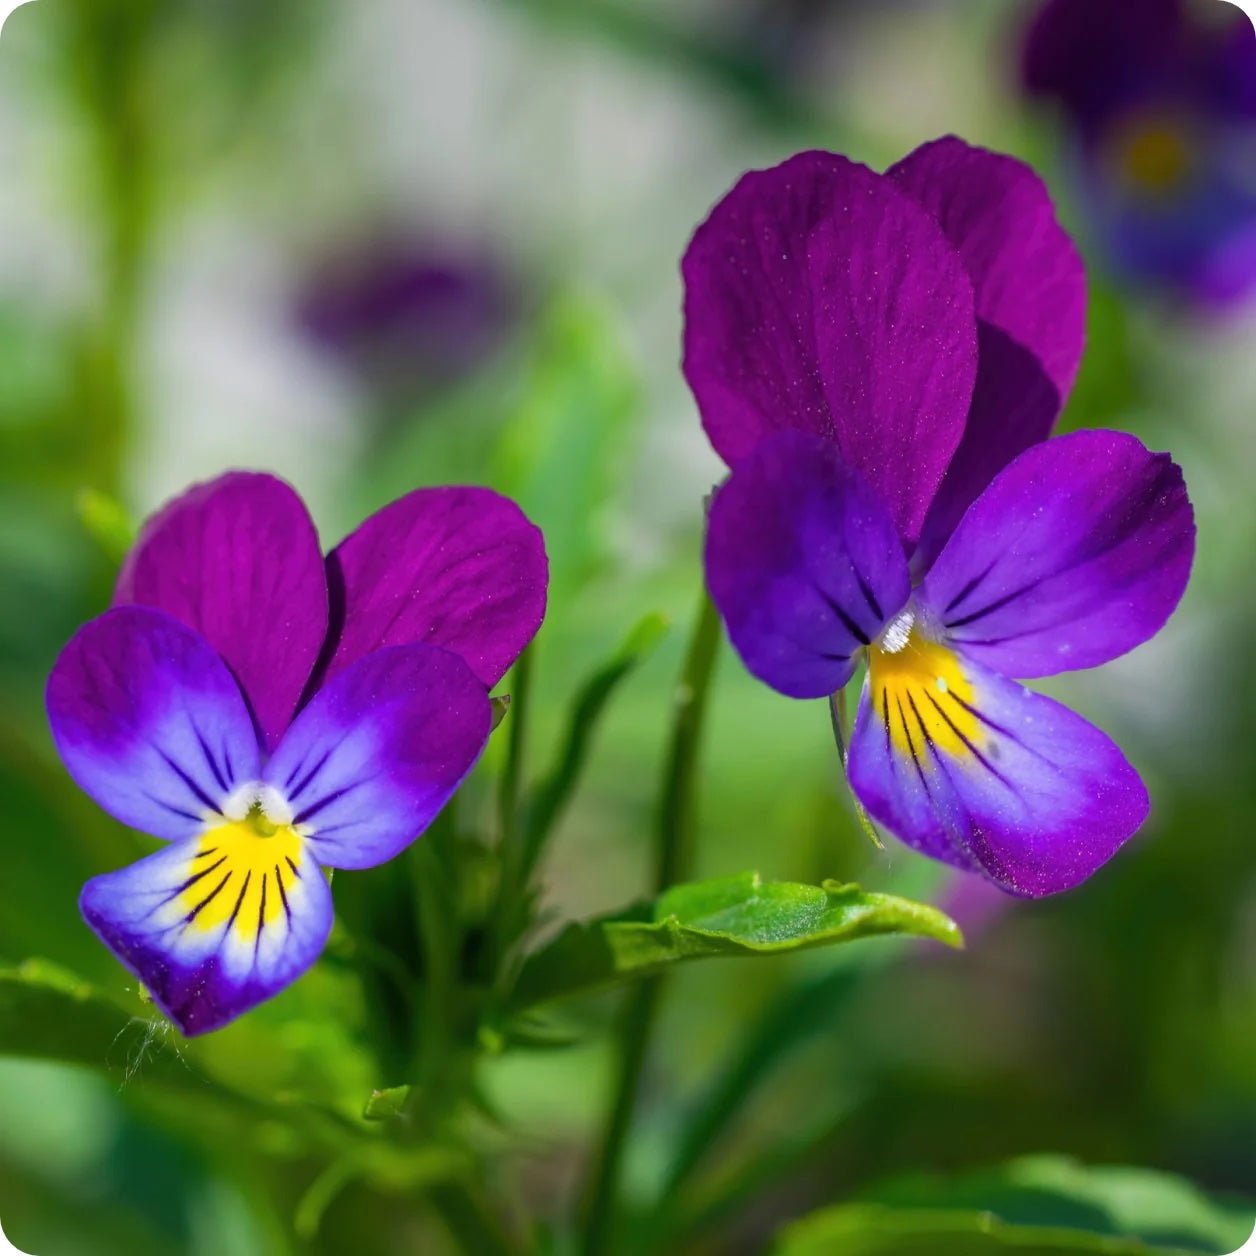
(1153, 155)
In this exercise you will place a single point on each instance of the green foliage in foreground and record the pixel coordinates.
(1035, 1206)
(734, 916)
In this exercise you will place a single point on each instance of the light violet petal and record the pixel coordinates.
(1077, 552)
(149, 722)
(819, 298)
(458, 568)
(238, 559)
(803, 563)
(213, 928)
(987, 776)
(379, 751)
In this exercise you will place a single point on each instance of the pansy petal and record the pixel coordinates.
(971, 768)
(213, 926)
(1027, 274)
(458, 568)
(804, 564)
(1077, 552)
(379, 751)
(1095, 56)
(1014, 406)
(149, 722)
(820, 298)
(238, 559)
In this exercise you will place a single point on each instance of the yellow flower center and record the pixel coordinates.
(241, 875)
(1153, 155)
(920, 694)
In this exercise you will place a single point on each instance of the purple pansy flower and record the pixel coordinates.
(880, 359)
(1160, 96)
(410, 316)
(271, 713)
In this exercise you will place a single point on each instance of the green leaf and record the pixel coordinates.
(561, 455)
(384, 1105)
(107, 523)
(552, 795)
(1114, 1200)
(500, 705)
(734, 916)
(48, 1013)
(874, 1230)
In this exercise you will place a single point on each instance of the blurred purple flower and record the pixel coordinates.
(271, 713)
(409, 318)
(880, 359)
(1160, 96)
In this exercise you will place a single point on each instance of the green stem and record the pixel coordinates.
(434, 886)
(511, 883)
(512, 773)
(470, 1224)
(673, 857)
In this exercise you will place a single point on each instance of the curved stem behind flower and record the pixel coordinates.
(673, 858)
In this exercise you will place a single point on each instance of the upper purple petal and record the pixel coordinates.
(1232, 68)
(1098, 56)
(149, 722)
(1030, 287)
(994, 778)
(238, 559)
(1027, 274)
(459, 568)
(378, 752)
(803, 563)
(1077, 552)
(820, 298)
(1014, 406)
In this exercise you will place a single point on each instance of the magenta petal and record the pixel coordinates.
(803, 564)
(238, 559)
(1037, 801)
(459, 568)
(149, 722)
(378, 752)
(820, 298)
(210, 939)
(1027, 273)
(1077, 552)
(1031, 306)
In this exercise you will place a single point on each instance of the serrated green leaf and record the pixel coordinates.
(874, 1230)
(734, 916)
(1114, 1200)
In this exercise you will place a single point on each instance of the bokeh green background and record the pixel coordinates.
(174, 176)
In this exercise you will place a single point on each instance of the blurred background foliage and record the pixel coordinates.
(374, 246)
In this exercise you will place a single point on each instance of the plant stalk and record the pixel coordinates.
(673, 857)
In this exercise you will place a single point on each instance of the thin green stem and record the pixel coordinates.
(840, 720)
(673, 857)
(511, 855)
(470, 1223)
(510, 788)
(434, 884)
